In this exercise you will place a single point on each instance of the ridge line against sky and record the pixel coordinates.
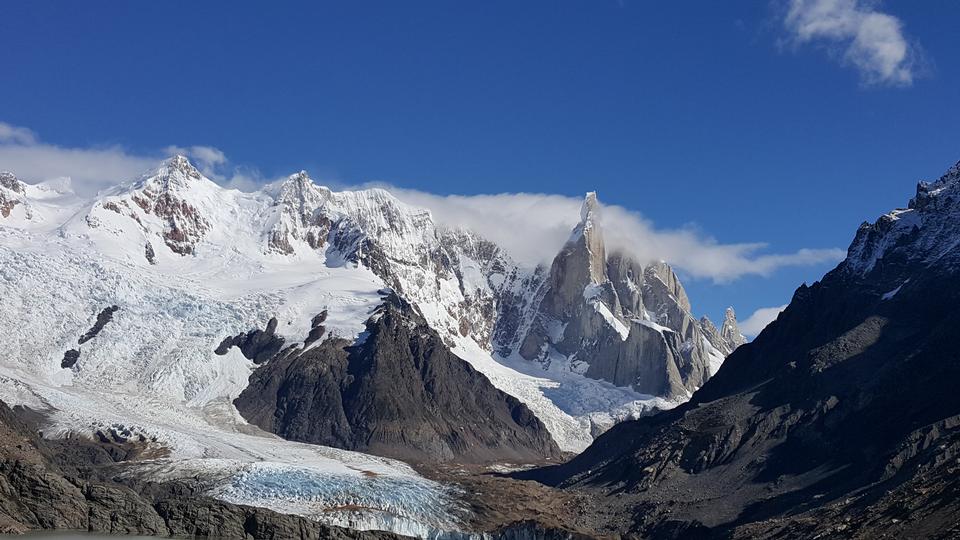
(546, 219)
(782, 122)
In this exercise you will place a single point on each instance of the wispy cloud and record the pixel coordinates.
(16, 135)
(92, 169)
(533, 228)
(858, 35)
(759, 320)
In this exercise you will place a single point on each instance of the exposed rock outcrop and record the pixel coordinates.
(728, 337)
(400, 393)
(730, 332)
(256, 345)
(104, 317)
(11, 193)
(70, 358)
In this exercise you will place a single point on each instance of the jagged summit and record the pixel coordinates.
(180, 162)
(300, 202)
(617, 320)
(590, 206)
(730, 331)
(174, 173)
(949, 178)
(173, 204)
(926, 231)
(10, 181)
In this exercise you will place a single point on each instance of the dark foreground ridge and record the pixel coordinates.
(400, 393)
(840, 420)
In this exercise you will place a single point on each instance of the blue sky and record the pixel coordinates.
(747, 121)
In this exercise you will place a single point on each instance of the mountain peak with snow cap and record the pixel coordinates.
(173, 203)
(927, 232)
(174, 173)
(300, 219)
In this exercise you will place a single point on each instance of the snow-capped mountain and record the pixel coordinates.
(117, 305)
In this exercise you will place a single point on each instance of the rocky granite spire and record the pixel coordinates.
(581, 262)
(730, 331)
(614, 319)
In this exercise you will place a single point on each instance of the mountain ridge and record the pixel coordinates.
(839, 419)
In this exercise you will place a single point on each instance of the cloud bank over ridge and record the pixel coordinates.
(532, 227)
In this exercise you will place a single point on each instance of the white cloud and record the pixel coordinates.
(533, 228)
(204, 157)
(759, 320)
(90, 169)
(213, 163)
(16, 135)
(94, 169)
(871, 41)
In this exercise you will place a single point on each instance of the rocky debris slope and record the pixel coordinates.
(69, 485)
(840, 419)
(614, 319)
(399, 393)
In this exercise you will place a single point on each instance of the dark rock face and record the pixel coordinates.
(11, 193)
(55, 485)
(105, 316)
(401, 393)
(149, 253)
(70, 359)
(256, 345)
(72, 356)
(316, 327)
(841, 418)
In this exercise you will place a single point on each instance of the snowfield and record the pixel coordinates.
(151, 373)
